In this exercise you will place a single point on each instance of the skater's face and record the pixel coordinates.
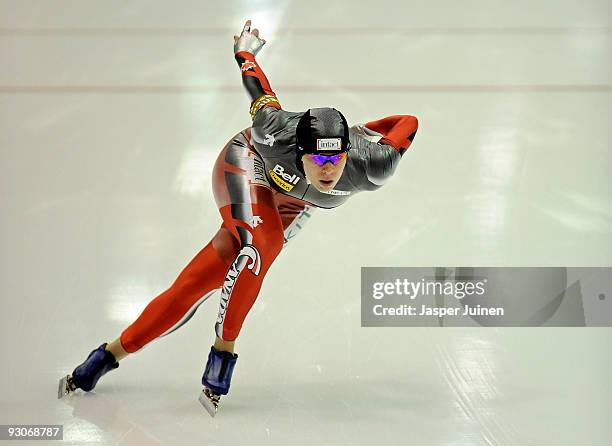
(324, 177)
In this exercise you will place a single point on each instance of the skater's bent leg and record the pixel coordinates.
(246, 202)
(259, 248)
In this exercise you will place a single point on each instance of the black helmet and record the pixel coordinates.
(321, 130)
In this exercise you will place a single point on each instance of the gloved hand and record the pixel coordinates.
(248, 40)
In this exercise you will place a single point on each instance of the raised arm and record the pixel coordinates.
(246, 46)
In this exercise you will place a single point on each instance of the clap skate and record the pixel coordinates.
(66, 386)
(210, 400)
(216, 379)
(86, 375)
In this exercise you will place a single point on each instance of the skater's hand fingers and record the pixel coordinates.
(256, 34)
(247, 26)
(248, 40)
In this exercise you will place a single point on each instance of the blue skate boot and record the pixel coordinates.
(217, 378)
(86, 375)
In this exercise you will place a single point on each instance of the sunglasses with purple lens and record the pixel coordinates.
(320, 160)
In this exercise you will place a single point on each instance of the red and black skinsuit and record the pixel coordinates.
(264, 199)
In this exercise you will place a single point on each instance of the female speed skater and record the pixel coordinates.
(267, 181)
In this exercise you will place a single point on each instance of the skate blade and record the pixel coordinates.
(208, 404)
(62, 389)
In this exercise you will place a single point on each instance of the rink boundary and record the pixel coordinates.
(196, 89)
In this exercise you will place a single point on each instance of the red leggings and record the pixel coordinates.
(257, 222)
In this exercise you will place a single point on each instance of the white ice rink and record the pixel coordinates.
(111, 115)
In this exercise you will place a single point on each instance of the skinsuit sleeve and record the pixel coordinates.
(256, 83)
(381, 144)
(270, 128)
